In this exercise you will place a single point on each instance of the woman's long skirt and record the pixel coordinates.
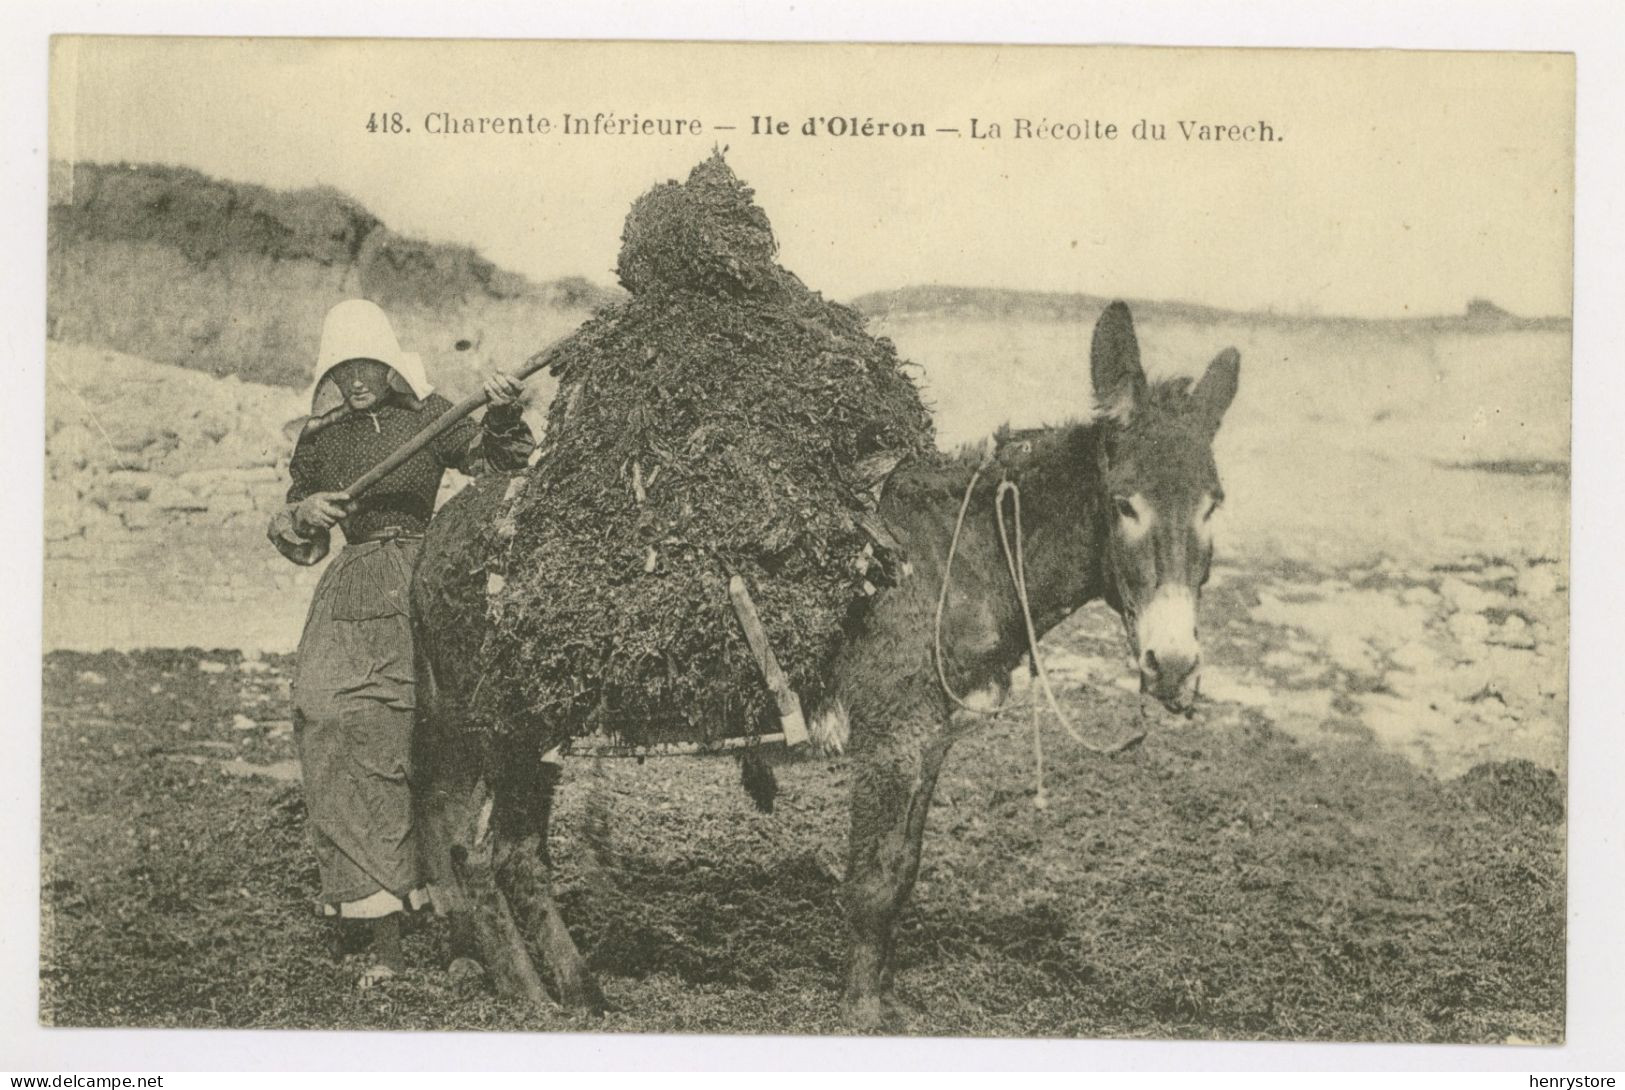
(353, 697)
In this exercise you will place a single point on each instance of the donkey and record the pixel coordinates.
(1117, 507)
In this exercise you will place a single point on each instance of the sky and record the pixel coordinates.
(1397, 183)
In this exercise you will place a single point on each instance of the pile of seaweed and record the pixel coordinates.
(722, 420)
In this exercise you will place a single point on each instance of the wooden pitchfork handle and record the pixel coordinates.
(442, 424)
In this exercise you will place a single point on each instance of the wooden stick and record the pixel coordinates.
(441, 424)
(795, 727)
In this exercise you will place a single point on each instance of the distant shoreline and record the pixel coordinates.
(955, 301)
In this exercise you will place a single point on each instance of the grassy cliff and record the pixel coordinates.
(173, 266)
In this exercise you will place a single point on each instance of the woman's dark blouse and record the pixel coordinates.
(330, 460)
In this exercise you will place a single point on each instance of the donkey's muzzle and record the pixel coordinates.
(1170, 677)
(1169, 652)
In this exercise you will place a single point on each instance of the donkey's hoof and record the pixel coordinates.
(875, 1014)
(465, 974)
(866, 1015)
(583, 996)
(884, 1013)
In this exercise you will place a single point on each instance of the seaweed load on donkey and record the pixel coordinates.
(723, 421)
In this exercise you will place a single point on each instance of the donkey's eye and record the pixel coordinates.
(1125, 507)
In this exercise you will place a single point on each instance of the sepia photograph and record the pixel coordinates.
(970, 541)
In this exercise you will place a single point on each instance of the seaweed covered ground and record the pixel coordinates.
(1234, 877)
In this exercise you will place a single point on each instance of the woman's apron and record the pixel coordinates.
(353, 698)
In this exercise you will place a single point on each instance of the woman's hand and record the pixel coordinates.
(321, 510)
(503, 390)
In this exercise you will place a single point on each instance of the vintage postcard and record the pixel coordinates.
(1022, 542)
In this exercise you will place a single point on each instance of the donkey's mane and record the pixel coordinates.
(947, 471)
(1169, 394)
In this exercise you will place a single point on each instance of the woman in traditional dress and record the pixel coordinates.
(353, 690)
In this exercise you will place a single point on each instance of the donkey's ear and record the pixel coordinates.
(1114, 363)
(1218, 387)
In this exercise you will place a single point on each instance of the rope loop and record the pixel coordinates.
(1015, 562)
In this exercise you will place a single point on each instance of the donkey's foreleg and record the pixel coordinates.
(895, 776)
(527, 874)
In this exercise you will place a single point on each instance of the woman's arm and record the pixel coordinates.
(301, 529)
(502, 441)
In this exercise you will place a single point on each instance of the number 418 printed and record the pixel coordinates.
(390, 122)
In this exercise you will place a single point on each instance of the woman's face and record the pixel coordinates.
(362, 382)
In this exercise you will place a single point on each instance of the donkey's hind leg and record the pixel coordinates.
(495, 931)
(895, 776)
(526, 871)
(445, 826)
(456, 843)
